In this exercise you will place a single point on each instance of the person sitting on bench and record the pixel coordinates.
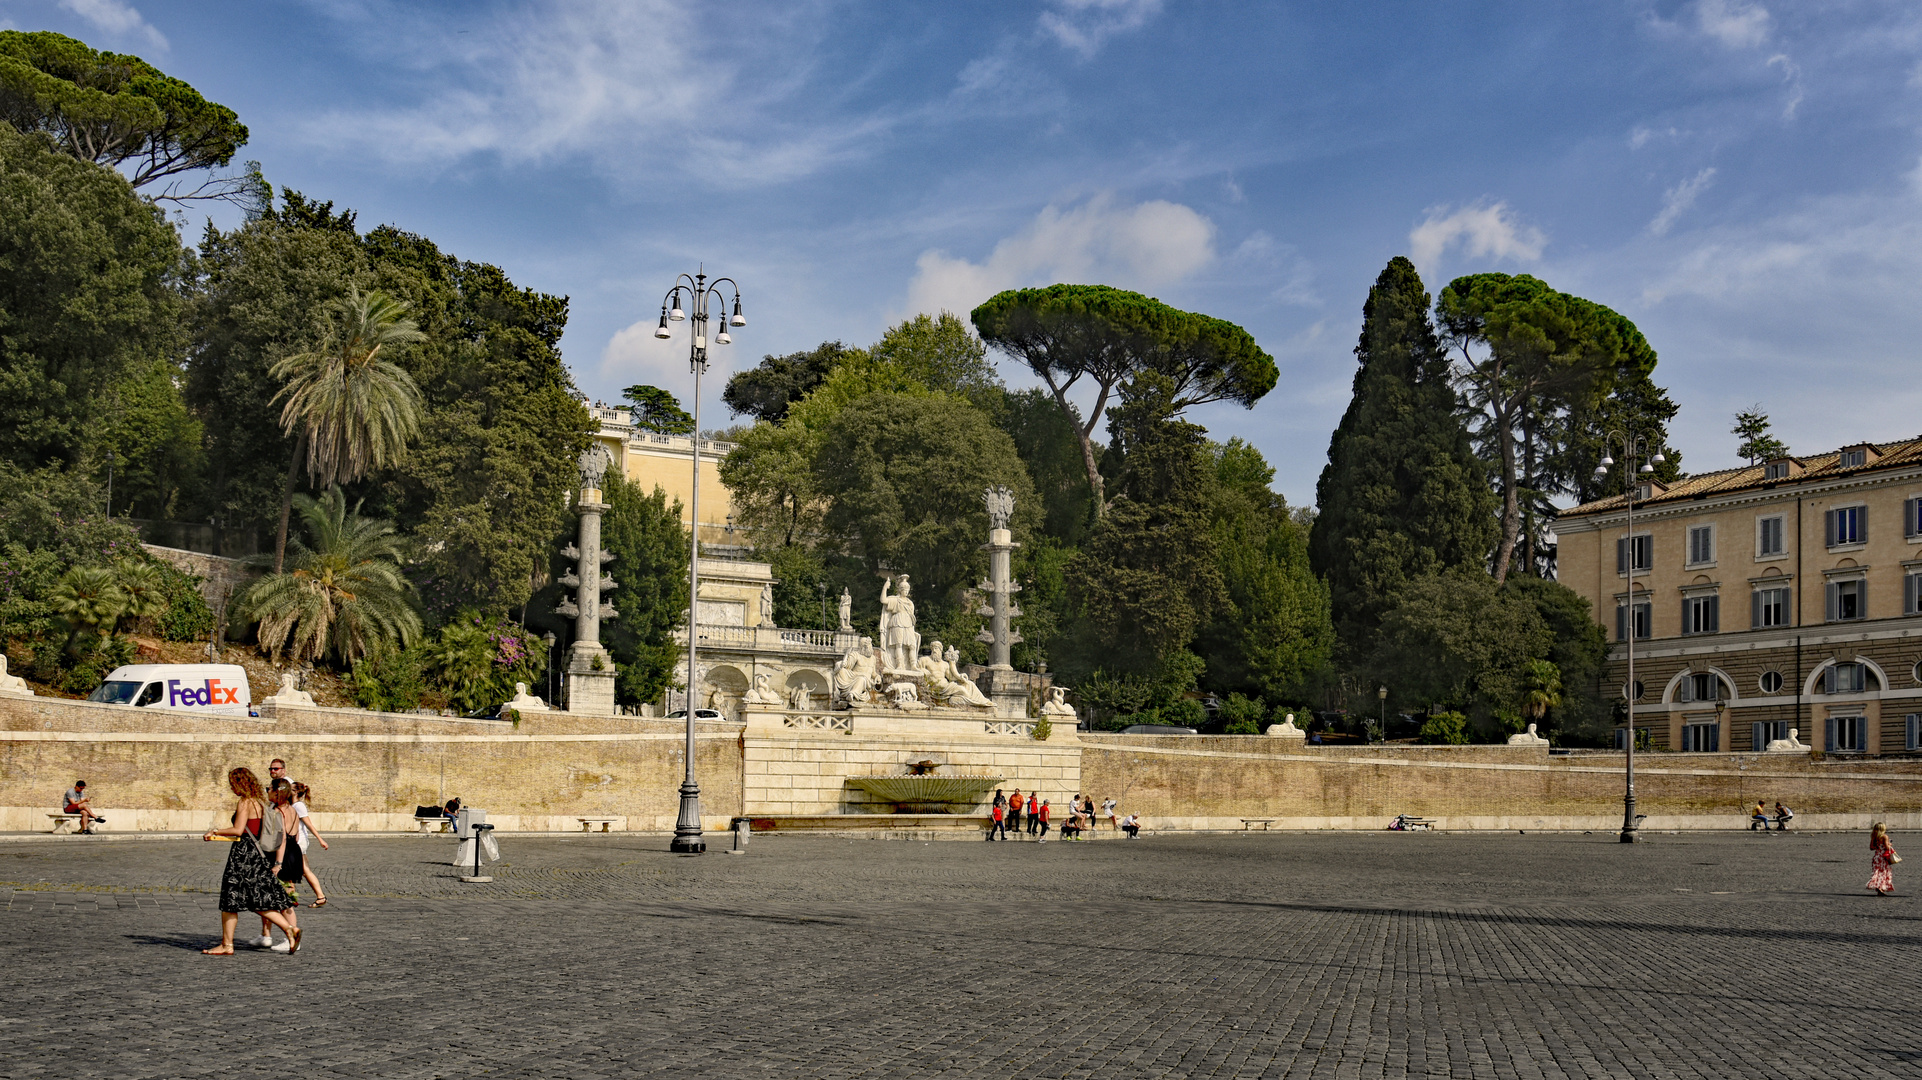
(76, 802)
(1783, 815)
(1758, 818)
(451, 812)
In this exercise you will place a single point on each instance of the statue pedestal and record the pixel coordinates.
(589, 689)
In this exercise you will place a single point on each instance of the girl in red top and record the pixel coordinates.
(1882, 859)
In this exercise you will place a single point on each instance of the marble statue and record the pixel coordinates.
(898, 637)
(767, 605)
(905, 695)
(288, 696)
(855, 675)
(962, 688)
(1286, 729)
(1791, 745)
(1057, 703)
(847, 612)
(1527, 738)
(12, 685)
(524, 701)
(762, 694)
(1000, 502)
(798, 698)
(593, 464)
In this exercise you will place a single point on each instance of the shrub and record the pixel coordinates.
(1445, 728)
(1185, 713)
(1243, 714)
(1043, 728)
(187, 616)
(388, 680)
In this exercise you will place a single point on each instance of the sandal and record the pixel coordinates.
(218, 951)
(293, 941)
(322, 902)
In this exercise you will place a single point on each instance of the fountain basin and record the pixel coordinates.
(927, 794)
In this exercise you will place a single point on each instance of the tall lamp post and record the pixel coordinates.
(697, 291)
(1633, 447)
(1382, 693)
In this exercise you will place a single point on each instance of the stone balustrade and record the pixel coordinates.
(823, 643)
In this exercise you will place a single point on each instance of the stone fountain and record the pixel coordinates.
(921, 790)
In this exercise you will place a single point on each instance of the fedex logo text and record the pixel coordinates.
(210, 694)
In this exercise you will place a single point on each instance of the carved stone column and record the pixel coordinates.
(590, 670)
(1010, 693)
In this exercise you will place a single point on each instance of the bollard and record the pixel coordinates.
(742, 826)
(480, 831)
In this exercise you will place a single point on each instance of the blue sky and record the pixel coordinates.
(1743, 179)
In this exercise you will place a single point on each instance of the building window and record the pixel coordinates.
(1854, 459)
(1643, 492)
(1775, 470)
(1847, 600)
(1701, 544)
(1771, 682)
(1914, 724)
(1848, 525)
(1912, 518)
(1760, 735)
(1701, 686)
(1643, 548)
(1701, 614)
(1642, 741)
(1640, 689)
(1643, 618)
(1851, 678)
(1702, 738)
(1768, 537)
(1768, 607)
(1846, 735)
(1912, 592)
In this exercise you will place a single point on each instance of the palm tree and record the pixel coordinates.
(344, 596)
(145, 590)
(350, 409)
(86, 598)
(1541, 688)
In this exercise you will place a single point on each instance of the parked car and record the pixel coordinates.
(699, 714)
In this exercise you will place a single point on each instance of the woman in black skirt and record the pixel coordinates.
(248, 883)
(291, 864)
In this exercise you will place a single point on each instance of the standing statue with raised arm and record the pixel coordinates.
(898, 637)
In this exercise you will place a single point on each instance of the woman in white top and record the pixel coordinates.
(1108, 808)
(309, 836)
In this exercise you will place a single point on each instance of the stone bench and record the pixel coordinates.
(424, 823)
(1248, 823)
(1412, 824)
(606, 823)
(61, 821)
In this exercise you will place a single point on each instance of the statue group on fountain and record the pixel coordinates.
(897, 669)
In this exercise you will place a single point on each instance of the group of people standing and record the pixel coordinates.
(1006, 813)
(272, 833)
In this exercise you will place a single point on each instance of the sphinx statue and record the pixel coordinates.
(524, 701)
(288, 696)
(1527, 738)
(1791, 745)
(12, 685)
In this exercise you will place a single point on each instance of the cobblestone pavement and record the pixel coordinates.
(1327, 955)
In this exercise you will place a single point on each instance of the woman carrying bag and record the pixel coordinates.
(247, 884)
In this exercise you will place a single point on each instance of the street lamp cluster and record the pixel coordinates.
(1633, 447)
(698, 292)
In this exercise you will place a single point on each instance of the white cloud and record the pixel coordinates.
(1262, 256)
(117, 18)
(638, 85)
(1144, 246)
(1678, 199)
(1734, 23)
(1642, 135)
(1792, 79)
(1483, 230)
(1083, 25)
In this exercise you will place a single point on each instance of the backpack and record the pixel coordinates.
(272, 832)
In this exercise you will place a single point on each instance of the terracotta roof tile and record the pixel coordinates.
(1902, 453)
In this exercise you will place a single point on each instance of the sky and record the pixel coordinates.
(1742, 179)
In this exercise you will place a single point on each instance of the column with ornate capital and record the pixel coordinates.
(1009, 693)
(590, 670)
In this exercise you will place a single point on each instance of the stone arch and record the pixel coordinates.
(1670, 691)
(813, 681)
(1815, 676)
(724, 685)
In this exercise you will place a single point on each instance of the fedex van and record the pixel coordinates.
(201, 688)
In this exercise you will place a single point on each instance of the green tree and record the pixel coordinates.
(1064, 333)
(349, 406)
(342, 595)
(88, 600)
(766, 391)
(1757, 445)
(903, 477)
(1272, 638)
(1578, 649)
(650, 546)
(89, 276)
(1045, 437)
(1403, 495)
(939, 352)
(116, 110)
(1458, 640)
(1531, 355)
(159, 462)
(656, 410)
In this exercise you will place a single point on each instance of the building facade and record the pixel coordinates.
(1785, 595)
(649, 460)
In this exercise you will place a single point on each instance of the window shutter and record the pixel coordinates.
(1621, 555)
(1621, 622)
(1908, 516)
(1755, 609)
(1861, 524)
(1828, 738)
(1828, 679)
(1758, 738)
(1828, 518)
(1829, 593)
(1915, 735)
(1715, 614)
(1908, 594)
(1686, 691)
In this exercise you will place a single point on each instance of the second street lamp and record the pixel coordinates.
(698, 291)
(1633, 447)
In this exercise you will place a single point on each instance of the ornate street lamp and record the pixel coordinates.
(1382, 693)
(1633, 447)
(697, 291)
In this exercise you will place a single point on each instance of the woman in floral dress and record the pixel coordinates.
(248, 883)
(1882, 859)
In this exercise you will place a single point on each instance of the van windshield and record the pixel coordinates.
(115, 693)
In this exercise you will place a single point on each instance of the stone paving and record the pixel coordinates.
(1324, 955)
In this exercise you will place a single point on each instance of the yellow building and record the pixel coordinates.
(667, 462)
(1779, 596)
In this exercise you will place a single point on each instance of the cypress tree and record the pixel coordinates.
(1403, 494)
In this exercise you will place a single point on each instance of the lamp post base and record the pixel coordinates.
(687, 827)
(1631, 822)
